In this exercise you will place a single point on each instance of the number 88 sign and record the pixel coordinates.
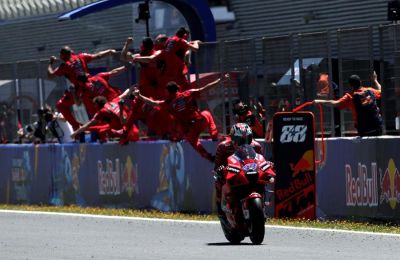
(294, 159)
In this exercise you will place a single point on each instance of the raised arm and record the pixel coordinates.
(104, 53)
(194, 45)
(147, 100)
(211, 84)
(146, 59)
(374, 81)
(83, 128)
(125, 54)
(51, 73)
(117, 71)
(333, 103)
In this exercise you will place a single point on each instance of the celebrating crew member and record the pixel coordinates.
(157, 120)
(362, 103)
(108, 121)
(97, 85)
(181, 105)
(72, 65)
(174, 53)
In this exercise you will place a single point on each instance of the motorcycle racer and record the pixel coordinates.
(239, 135)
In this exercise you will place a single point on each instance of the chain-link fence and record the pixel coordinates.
(296, 68)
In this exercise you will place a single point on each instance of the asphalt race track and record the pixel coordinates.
(68, 236)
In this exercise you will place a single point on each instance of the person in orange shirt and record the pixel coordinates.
(362, 102)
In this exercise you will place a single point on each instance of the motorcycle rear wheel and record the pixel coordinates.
(257, 221)
(231, 234)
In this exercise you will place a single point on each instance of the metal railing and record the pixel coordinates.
(288, 76)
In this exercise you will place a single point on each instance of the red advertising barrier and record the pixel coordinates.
(294, 158)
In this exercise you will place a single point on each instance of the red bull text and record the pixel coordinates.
(362, 190)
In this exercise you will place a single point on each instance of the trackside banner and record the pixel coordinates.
(160, 175)
(294, 158)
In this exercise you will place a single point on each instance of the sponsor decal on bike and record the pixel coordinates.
(265, 166)
(250, 167)
(232, 169)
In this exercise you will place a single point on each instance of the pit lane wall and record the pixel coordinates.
(360, 177)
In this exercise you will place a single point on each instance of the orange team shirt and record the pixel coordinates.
(347, 100)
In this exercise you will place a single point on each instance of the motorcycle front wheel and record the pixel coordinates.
(257, 221)
(232, 235)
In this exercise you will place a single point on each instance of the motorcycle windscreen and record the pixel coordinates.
(294, 159)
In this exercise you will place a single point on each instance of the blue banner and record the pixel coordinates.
(360, 177)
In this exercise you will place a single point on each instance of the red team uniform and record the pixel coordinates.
(175, 68)
(110, 124)
(183, 107)
(75, 66)
(96, 85)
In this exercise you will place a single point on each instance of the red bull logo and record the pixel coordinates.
(390, 185)
(305, 164)
(129, 177)
(362, 190)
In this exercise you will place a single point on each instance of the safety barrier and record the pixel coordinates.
(359, 178)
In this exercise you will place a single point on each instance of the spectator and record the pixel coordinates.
(362, 103)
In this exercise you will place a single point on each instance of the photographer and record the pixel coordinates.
(253, 117)
(47, 128)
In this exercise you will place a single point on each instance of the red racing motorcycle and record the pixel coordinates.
(244, 195)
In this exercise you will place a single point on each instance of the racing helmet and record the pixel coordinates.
(241, 134)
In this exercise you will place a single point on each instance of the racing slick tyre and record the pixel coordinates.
(231, 234)
(257, 221)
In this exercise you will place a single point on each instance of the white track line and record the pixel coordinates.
(22, 212)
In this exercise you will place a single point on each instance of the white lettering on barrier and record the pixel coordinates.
(109, 180)
(361, 190)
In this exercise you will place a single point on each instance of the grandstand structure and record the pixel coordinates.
(261, 40)
(15, 9)
(33, 31)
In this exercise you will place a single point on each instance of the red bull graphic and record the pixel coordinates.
(390, 186)
(130, 178)
(296, 187)
(362, 190)
(305, 164)
(109, 180)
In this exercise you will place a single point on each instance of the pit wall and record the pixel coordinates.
(360, 177)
